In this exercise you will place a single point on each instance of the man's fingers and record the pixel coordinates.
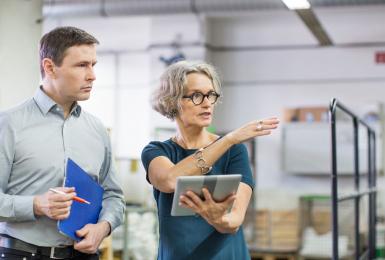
(82, 246)
(61, 204)
(66, 189)
(60, 214)
(82, 232)
(62, 197)
(61, 217)
(87, 245)
(69, 193)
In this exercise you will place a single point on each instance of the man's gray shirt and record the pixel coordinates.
(35, 141)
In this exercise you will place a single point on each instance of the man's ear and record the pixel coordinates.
(49, 68)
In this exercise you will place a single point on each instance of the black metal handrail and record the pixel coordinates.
(371, 192)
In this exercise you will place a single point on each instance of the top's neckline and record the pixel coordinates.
(193, 149)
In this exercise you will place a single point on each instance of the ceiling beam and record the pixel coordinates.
(312, 22)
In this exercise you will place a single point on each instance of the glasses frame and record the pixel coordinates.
(191, 97)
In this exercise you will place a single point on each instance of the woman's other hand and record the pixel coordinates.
(215, 213)
(253, 129)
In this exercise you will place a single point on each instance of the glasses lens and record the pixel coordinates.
(212, 96)
(197, 98)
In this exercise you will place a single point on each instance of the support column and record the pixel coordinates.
(20, 32)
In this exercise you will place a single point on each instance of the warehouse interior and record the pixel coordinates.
(273, 61)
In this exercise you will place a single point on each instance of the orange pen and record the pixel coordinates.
(78, 199)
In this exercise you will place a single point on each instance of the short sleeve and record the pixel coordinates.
(150, 152)
(239, 164)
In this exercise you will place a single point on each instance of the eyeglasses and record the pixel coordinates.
(198, 97)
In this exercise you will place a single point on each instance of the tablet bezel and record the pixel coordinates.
(224, 185)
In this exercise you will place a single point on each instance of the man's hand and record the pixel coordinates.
(93, 235)
(53, 205)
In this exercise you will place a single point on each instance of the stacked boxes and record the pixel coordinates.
(276, 230)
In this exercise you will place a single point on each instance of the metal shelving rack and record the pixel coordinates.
(370, 192)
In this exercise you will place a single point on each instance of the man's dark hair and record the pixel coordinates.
(54, 44)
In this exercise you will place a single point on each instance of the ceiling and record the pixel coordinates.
(342, 22)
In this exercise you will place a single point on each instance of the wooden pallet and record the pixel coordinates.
(273, 256)
(106, 252)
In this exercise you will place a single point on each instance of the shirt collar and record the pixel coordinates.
(45, 103)
(76, 110)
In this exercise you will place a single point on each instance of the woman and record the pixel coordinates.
(187, 94)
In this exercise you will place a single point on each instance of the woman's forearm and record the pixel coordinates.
(229, 223)
(165, 178)
(210, 154)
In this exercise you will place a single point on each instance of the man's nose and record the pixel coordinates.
(91, 74)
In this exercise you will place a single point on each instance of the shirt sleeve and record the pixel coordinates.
(239, 164)
(113, 205)
(13, 208)
(150, 152)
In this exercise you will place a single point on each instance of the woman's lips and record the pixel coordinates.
(205, 114)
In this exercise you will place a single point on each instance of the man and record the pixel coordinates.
(36, 137)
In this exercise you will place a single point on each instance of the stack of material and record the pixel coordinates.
(142, 237)
(276, 230)
(320, 246)
(321, 221)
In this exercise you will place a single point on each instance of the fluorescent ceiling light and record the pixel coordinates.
(296, 4)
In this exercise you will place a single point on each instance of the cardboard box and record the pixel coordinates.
(291, 114)
(313, 114)
(306, 114)
(277, 230)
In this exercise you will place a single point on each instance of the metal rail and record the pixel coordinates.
(371, 192)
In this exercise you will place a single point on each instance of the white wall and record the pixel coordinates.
(262, 82)
(20, 32)
(183, 29)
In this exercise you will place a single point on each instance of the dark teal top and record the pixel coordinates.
(191, 237)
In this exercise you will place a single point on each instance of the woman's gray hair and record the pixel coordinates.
(166, 98)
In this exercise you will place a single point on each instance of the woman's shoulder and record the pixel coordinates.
(165, 145)
(238, 151)
(238, 148)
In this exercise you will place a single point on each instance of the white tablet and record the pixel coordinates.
(219, 186)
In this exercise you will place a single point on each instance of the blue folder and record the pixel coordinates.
(81, 213)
